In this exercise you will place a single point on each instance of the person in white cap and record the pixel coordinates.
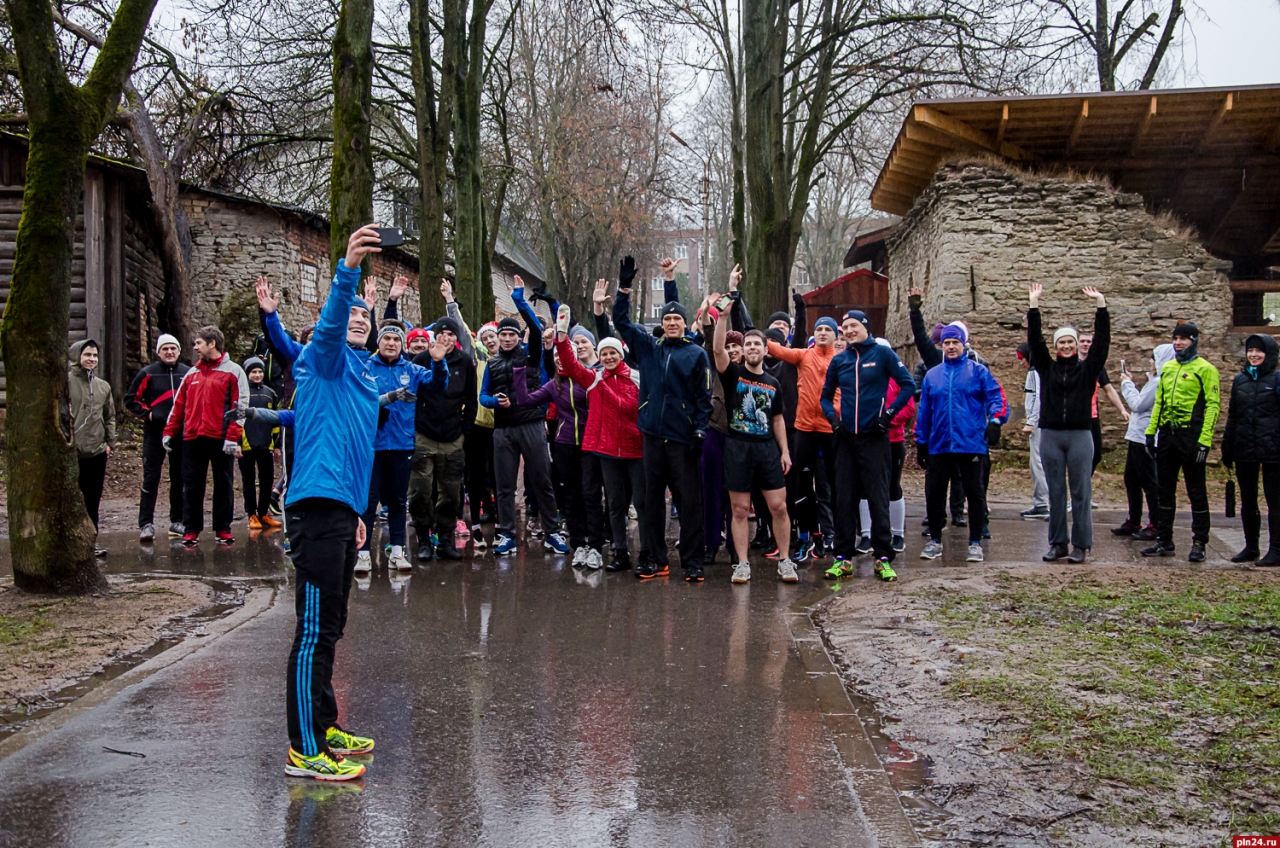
(149, 398)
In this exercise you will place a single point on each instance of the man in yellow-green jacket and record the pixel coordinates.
(1179, 437)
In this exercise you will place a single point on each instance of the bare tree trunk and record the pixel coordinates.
(475, 289)
(351, 184)
(51, 536)
(434, 125)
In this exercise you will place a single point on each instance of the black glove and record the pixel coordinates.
(798, 300)
(915, 301)
(882, 423)
(233, 414)
(1151, 446)
(626, 272)
(695, 446)
(993, 434)
(1202, 455)
(922, 455)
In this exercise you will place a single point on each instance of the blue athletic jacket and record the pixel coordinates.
(862, 372)
(336, 407)
(957, 401)
(675, 380)
(396, 433)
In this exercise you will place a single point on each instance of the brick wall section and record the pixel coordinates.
(1014, 229)
(233, 243)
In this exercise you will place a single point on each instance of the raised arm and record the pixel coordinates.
(636, 336)
(670, 289)
(1097, 358)
(1037, 350)
(277, 338)
(453, 311)
(328, 342)
(924, 345)
(718, 346)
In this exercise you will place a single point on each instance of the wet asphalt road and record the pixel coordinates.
(514, 703)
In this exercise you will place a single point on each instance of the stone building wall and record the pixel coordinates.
(1012, 229)
(233, 243)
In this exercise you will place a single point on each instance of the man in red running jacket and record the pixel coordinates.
(208, 391)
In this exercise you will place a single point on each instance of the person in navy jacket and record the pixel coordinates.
(960, 402)
(336, 422)
(861, 372)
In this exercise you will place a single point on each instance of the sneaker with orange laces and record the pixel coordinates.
(254, 523)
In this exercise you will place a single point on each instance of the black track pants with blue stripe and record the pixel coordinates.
(322, 540)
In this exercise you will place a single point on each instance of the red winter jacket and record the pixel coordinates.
(903, 418)
(207, 391)
(614, 403)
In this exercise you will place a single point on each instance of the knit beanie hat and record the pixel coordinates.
(859, 316)
(935, 335)
(827, 321)
(254, 362)
(579, 330)
(359, 301)
(964, 330)
(449, 324)
(733, 337)
(489, 327)
(951, 331)
(1186, 331)
(391, 327)
(509, 324)
(779, 316)
(417, 333)
(165, 339)
(773, 334)
(1063, 332)
(674, 308)
(611, 342)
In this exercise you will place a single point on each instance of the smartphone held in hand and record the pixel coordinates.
(723, 304)
(390, 236)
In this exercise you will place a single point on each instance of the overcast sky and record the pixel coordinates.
(1238, 45)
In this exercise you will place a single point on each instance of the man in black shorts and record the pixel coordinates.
(755, 451)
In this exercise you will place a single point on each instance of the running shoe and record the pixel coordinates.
(694, 574)
(100, 553)
(503, 545)
(274, 506)
(556, 542)
(448, 552)
(269, 522)
(399, 563)
(323, 766)
(176, 530)
(533, 527)
(224, 537)
(644, 570)
(787, 571)
(190, 540)
(661, 569)
(819, 545)
(1056, 552)
(426, 551)
(1159, 549)
(364, 563)
(382, 513)
(899, 544)
(342, 742)
(1147, 534)
(1197, 552)
(594, 560)
(959, 521)
(1126, 529)
(986, 531)
(477, 538)
(975, 552)
(460, 529)
(840, 568)
(631, 513)
(932, 550)
(579, 558)
(741, 573)
(864, 545)
(805, 551)
(1077, 556)
(885, 571)
(147, 533)
(621, 562)
(1036, 513)
(386, 549)
(771, 551)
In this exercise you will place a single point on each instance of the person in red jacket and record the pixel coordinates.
(207, 393)
(612, 434)
(897, 456)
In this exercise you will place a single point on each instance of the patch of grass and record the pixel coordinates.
(1161, 688)
(18, 629)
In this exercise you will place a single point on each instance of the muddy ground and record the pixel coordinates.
(1024, 755)
(48, 642)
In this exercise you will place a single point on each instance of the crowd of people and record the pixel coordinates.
(804, 428)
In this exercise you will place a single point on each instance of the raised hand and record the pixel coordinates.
(735, 277)
(669, 268)
(519, 284)
(1033, 294)
(1095, 295)
(267, 301)
(362, 242)
(446, 291)
(915, 291)
(600, 296)
(371, 291)
(549, 338)
(439, 349)
(626, 271)
(398, 285)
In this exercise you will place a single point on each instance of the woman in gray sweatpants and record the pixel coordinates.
(1067, 384)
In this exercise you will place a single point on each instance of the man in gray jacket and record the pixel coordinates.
(93, 421)
(1031, 404)
(1139, 466)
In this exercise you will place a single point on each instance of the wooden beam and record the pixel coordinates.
(1218, 118)
(1179, 163)
(1273, 141)
(1254, 285)
(957, 129)
(1143, 127)
(1078, 126)
(1004, 124)
(1273, 243)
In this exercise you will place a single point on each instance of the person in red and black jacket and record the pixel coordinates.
(149, 398)
(214, 387)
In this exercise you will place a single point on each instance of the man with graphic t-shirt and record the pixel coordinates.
(756, 452)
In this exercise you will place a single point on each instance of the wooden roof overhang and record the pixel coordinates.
(1211, 156)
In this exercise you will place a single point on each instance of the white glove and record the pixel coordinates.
(164, 440)
(562, 319)
(231, 448)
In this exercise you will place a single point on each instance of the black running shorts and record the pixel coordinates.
(749, 464)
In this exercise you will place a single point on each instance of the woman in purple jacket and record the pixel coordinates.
(579, 483)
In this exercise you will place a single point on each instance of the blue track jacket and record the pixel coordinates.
(862, 372)
(957, 401)
(397, 432)
(336, 407)
(675, 379)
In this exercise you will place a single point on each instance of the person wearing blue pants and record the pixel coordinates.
(336, 420)
(399, 382)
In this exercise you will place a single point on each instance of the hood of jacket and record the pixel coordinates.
(1270, 347)
(73, 355)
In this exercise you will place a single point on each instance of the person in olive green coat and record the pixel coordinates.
(93, 421)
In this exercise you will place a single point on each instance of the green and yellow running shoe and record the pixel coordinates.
(322, 766)
(885, 571)
(342, 742)
(840, 568)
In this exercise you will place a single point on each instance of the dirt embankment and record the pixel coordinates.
(48, 642)
(1077, 706)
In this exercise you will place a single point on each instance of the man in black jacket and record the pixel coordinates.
(149, 398)
(440, 421)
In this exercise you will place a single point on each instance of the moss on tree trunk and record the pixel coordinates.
(351, 182)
